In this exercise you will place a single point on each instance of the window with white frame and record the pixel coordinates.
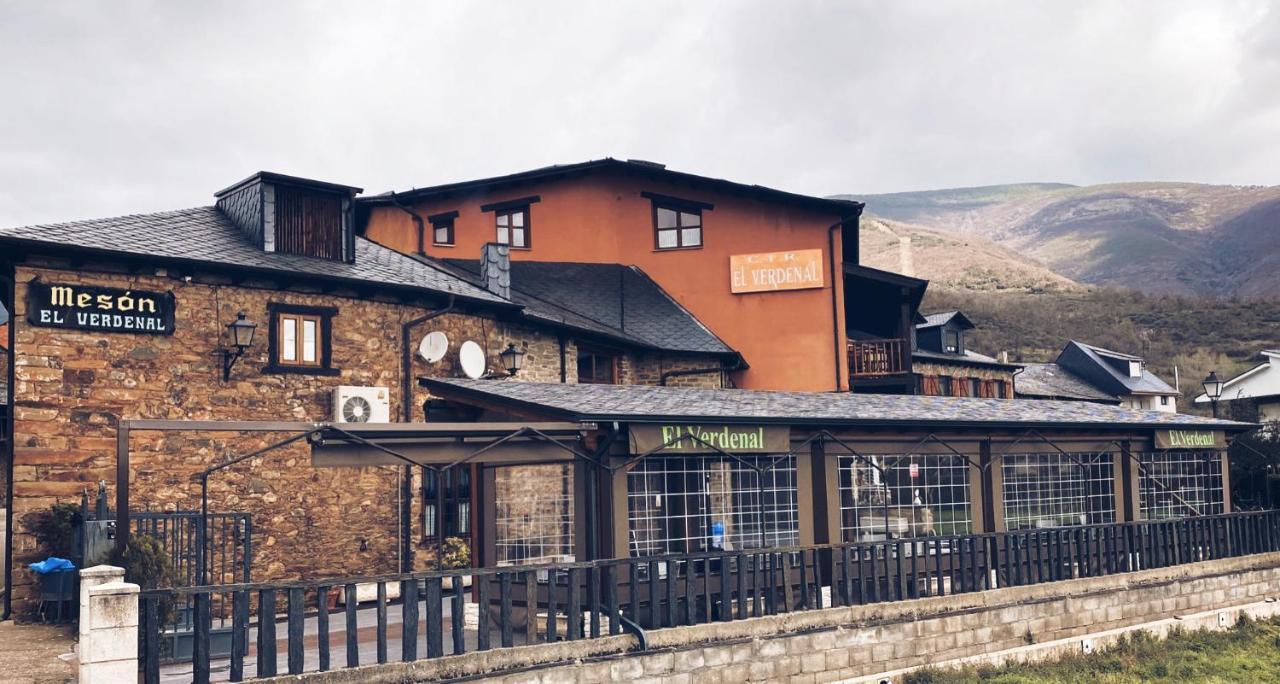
(680, 504)
(1179, 484)
(909, 495)
(533, 516)
(1056, 489)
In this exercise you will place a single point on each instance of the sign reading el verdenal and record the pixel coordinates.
(770, 271)
(103, 309)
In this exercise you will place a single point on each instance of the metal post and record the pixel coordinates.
(201, 530)
(122, 485)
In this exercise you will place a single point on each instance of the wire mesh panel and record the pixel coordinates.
(682, 504)
(534, 514)
(904, 496)
(1179, 484)
(1056, 489)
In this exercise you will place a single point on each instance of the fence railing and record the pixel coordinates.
(534, 604)
(878, 357)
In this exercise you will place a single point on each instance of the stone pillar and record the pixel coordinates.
(108, 649)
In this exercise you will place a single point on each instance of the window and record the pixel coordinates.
(1164, 400)
(457, 503)
(1179, 484)
(677, 223)
(300, 339)
(952, 344)
(513, 227)
(442, 229)
(1056, 490)
(999, 389)
(682, 504)
(944, 386)
(596, 367)
(908, 495)
(975, 387)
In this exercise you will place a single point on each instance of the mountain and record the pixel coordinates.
(1159, 238)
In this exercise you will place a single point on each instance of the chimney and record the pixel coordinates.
(905, 265)
(292, 215)
(495, 269)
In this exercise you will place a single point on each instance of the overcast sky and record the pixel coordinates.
(123, 107)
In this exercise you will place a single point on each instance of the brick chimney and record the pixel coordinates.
(292, 215)
(495, 269)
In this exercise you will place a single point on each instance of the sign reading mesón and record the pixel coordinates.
(103, 309)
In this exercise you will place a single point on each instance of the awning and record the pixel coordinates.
(443, 444)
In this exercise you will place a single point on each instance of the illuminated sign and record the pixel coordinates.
(773, 271)
(102, 309)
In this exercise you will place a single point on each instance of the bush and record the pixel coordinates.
(456, 554)
(146, 564)
(57, 529)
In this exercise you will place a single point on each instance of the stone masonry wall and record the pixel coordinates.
(838, 644)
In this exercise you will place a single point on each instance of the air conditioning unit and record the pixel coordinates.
(361, 405)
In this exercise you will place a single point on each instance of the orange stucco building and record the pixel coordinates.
(680, 229)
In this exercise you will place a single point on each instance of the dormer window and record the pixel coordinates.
(952, 344)
(1135, 369)
(442, 229)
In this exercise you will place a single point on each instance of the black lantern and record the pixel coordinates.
(512, 358)
(241, 332)
(1213, 390)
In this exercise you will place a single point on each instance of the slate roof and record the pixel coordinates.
(1086, 361)
(612, 300)
(1051, 381)
(840, 207)
(205, 235)
(942, 318)
(641, 403)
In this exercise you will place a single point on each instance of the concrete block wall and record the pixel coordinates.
(850, 643)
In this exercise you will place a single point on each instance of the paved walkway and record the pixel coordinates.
(36, 653)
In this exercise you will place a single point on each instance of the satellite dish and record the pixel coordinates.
(433, 346)
(472, 358)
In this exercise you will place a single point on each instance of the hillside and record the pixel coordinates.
(967, 262)
(1160, 238)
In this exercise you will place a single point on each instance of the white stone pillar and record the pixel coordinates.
(108, 649)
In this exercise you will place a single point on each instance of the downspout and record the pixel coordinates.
(406, 394)
(6, 434)
(564, 373)
(835, 310)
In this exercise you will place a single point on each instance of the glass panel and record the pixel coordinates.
(1044, 491)
(666, 218)
(691, 237)
(309, 341)
(533, 514)
(667, 238)
(685, 505)
(517, 219)
(517, 237)
(904, 496)
(687, 219)
(503, 219)
(429, 519)
(464, 517)
(289, 339)
(442, 235)
(1179, 484)
(502, 236)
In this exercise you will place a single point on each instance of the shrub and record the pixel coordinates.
(57, 529)
(455, 554)
(146, 564)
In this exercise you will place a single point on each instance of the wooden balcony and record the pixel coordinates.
(872, 358)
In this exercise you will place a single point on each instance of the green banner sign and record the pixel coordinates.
(1191, 439)
(707, 439)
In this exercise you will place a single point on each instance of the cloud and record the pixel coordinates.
(125, 107)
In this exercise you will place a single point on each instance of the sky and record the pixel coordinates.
(110, 108)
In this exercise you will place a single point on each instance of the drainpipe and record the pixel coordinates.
(564, 373)
(835, 310)
(406, 400)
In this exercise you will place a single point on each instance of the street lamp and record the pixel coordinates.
(241, 333)
(1213, 390)
(512, 359)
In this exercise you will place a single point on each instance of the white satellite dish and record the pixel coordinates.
(433, 346)
(472, 358)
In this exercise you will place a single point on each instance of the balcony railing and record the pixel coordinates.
(878, 357)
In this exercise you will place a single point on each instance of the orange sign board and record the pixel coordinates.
(772, 271)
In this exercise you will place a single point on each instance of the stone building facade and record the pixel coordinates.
(71, 386)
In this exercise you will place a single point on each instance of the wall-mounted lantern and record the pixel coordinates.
(241, 333)
(512, 359)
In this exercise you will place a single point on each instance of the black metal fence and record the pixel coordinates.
(534, 604)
